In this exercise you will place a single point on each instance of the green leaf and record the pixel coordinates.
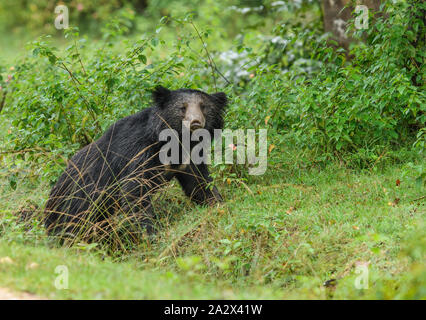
(142, 58)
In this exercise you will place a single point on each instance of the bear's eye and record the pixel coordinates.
(183, 107)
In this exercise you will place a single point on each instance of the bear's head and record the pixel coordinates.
(193, 108)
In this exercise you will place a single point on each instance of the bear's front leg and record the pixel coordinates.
(135, 202)
(194, 181)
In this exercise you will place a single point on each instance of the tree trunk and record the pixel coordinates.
(336, 18)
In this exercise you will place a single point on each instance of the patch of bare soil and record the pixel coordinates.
(7, 294)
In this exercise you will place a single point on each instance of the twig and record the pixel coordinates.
(421, 198)
(246, 186)
(24, 151)
(79, 57)
(215, 67)
(3, 100)
(75, 80)
(378, 159)
(210, 60)
(70, 73)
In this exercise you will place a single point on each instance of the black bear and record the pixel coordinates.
(122, 169)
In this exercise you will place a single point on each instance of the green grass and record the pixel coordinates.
(283, 239)
(278, 236)
(13, 48)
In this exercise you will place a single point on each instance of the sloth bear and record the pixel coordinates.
(120, 171)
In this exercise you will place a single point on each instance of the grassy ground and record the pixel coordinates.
(296, 232)
(283, 238)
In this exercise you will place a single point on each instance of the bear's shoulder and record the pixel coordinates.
(137, 119)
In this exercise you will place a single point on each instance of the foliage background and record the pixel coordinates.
(363, 110)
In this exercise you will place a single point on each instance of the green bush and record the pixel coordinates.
(368, 106)
(357, 111)
(59, 104)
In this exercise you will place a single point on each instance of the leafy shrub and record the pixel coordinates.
(290, 82)
(65, 102)
(368, 105)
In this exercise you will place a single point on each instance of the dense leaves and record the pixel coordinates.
(357, 110)
(366, 106)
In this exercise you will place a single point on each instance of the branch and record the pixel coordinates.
(3, 100)
(210, 60)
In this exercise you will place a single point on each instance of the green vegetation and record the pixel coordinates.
(345, 184)
(281, 240)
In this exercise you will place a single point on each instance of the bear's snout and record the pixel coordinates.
(195, 124)
(195, 117)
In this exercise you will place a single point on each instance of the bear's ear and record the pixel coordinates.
(161, 95)
(220, 99)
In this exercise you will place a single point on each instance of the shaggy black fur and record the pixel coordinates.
(121, 170)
